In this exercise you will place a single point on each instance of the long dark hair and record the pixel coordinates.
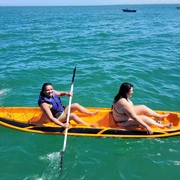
(123, 90)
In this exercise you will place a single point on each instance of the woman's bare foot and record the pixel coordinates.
(93, 113)
(170, 125)
(93, 125)
(162, 116)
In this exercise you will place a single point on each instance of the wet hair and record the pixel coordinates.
(123, 90)
(44, 88)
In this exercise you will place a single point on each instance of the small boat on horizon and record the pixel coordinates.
(129, 10)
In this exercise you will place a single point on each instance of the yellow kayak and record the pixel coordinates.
(20, 118)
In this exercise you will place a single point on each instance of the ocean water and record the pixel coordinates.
(108, 47)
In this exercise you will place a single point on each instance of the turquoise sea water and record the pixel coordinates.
(108, 47)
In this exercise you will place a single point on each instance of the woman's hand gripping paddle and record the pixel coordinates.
(67, 121)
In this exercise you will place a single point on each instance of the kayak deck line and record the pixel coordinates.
(19, 117)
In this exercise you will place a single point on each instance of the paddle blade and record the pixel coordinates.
(61, 162)
(74, 72)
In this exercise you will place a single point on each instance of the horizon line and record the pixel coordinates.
(90, 4)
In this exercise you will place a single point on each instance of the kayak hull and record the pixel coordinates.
(22, 118)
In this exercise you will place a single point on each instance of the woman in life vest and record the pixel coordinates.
(126, 114)
(53, 110)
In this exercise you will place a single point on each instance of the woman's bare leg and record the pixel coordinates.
(81, 109)
(150, 122)
(142, 109)
(74, 117)
(147, 120)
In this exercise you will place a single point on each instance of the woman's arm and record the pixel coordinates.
(46, 108)
(128, 109)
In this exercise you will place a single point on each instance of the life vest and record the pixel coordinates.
(57, 107)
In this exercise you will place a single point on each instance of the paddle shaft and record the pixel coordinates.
(67, 121)
(69, 110)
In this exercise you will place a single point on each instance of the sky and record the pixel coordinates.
(81, 2)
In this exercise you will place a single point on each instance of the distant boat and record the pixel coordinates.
(129, 10)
